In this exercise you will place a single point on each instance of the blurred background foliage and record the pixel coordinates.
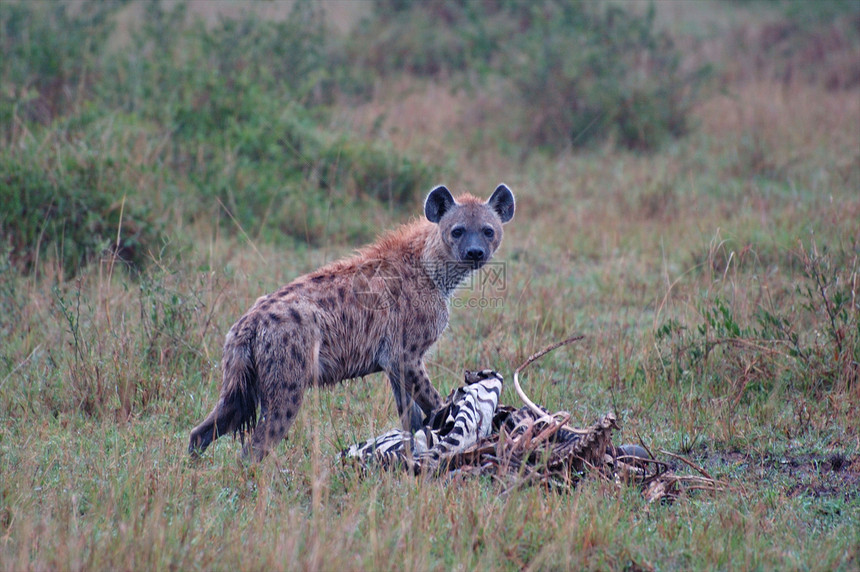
(103, 142)
(585, 70)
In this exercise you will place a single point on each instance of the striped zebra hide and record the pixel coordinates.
(465, 417)
(472, 434)
(471, 431)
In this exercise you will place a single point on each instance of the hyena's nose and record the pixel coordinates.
(475, 254)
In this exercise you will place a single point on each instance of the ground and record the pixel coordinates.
(714, 279)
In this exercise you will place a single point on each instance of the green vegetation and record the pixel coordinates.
(162, 165)
(231, 116)
(583, 71)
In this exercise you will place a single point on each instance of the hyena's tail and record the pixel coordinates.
(236, 410)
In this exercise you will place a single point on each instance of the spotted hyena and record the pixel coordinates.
(380, 310)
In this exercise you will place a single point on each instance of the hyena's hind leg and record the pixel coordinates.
(283, 391)
(278, 418)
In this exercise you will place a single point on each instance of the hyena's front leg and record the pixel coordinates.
(414, 395)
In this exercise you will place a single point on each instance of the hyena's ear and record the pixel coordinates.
(438, 202)
(503, 203)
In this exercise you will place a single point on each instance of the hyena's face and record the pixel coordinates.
(471, 230)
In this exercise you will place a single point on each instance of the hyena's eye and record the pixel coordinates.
(457, 232)
(489, 232)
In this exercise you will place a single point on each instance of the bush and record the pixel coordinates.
(810, 42)
(247, 100)
(372, 171)
(279, 174)
(75, 210)
(809, 342)
(582, 71)
(47, 72)
(229, 115)
(429, 38)
(201, 78)
(603, 73)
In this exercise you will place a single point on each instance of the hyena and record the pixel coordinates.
(380, 310)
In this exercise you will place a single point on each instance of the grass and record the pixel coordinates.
(715, 280)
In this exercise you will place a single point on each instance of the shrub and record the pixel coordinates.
(586, 72)
(46, 72)
(201, 78)
(428, 38)
(581, 71)
(74, 208)
(372, 171)
(810, 341)
(234, 114)
(285, 174)
(247, 101)
(810, 42)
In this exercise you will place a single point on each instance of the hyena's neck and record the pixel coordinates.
(419, 243)
(447, 279)
(445, 273)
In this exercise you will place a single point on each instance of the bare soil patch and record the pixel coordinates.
(832, 475)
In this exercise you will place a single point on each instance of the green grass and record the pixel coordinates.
(715, 280)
